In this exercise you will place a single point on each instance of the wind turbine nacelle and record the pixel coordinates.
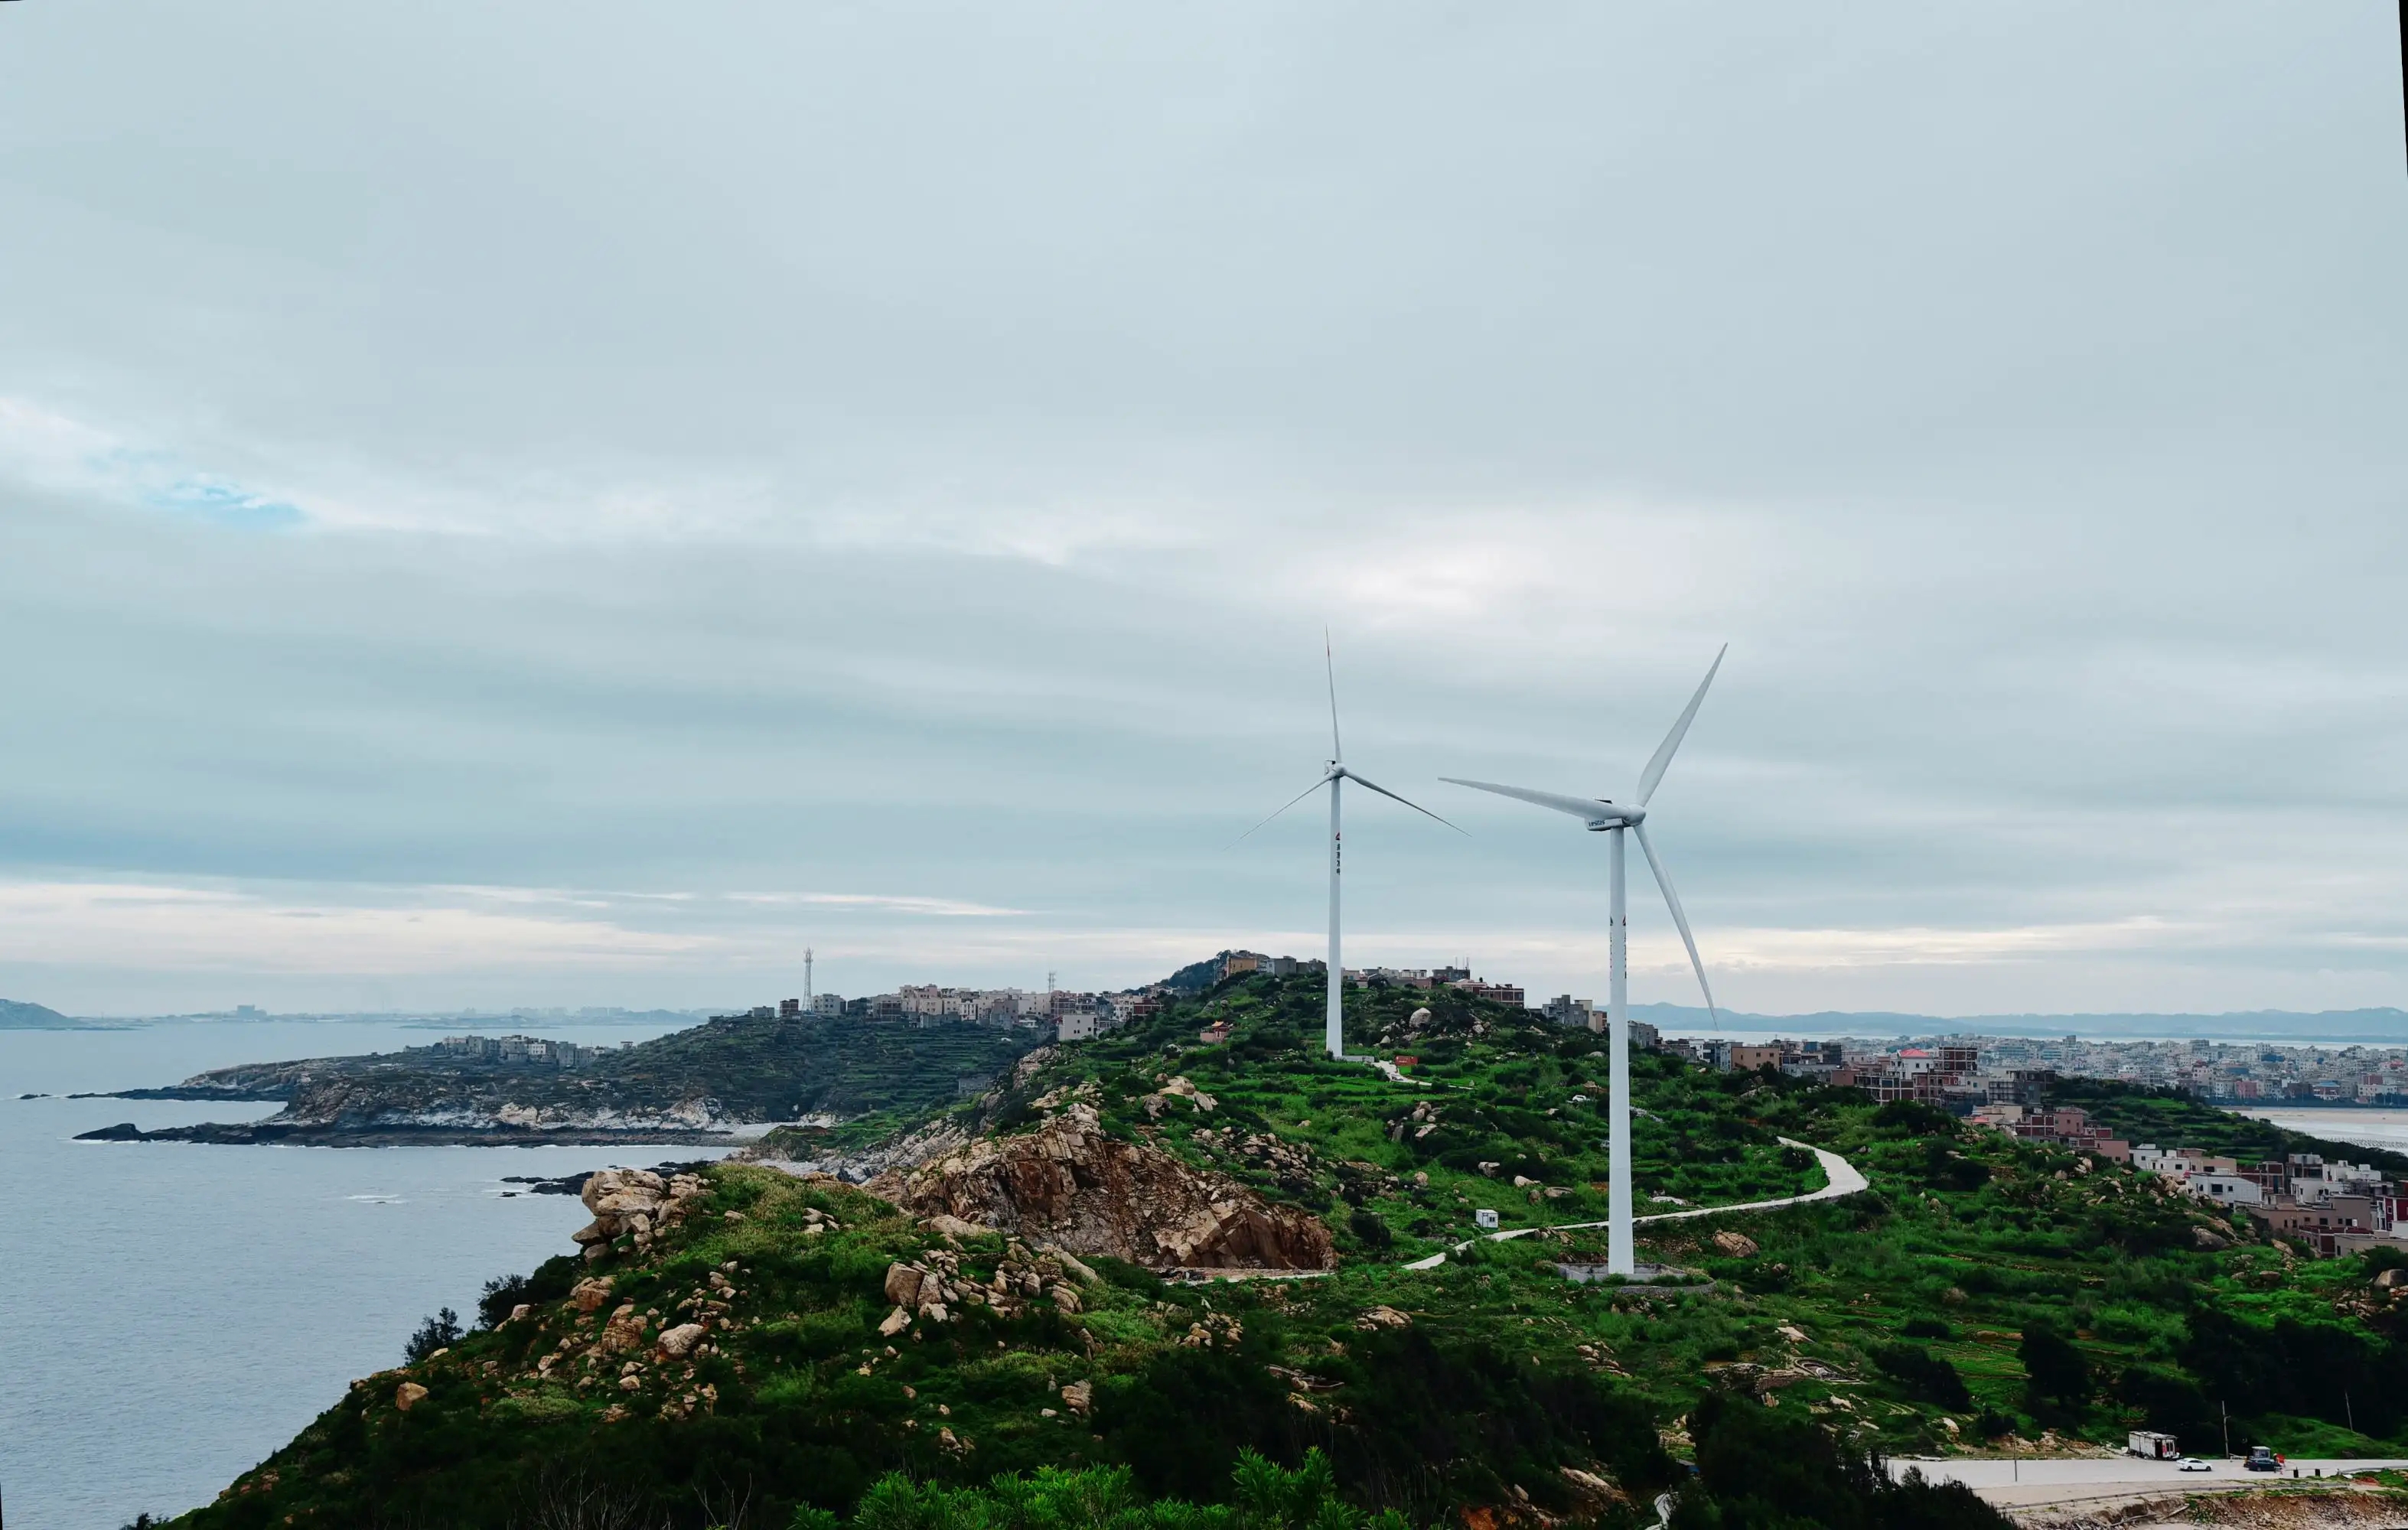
(1615, 816)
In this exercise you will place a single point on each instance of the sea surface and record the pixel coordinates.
(2367, 1126)
(170, 1314)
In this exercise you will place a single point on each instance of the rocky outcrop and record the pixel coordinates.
(896, 1155)
(934, 1288)
(1069, 1184)
(637, 1202)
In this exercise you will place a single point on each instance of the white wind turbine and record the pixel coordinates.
(1610, 818)
(1334, 776)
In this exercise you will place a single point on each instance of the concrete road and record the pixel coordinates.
(1839, 1177)
(2016, 1482)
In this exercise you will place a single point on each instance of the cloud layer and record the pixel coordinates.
(876, 480)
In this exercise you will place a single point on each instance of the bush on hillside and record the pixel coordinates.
(2055, 1374)
(1922, 1376)
(440, 1331)
(1269, 1497)
(551, 1281)
(1913, 1118)
(1763, 1469)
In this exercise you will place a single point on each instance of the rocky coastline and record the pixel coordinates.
(336, 1135)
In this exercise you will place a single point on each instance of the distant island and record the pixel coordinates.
(2383, 1024)
(16, 1016)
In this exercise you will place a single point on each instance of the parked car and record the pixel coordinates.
(2192, 1463)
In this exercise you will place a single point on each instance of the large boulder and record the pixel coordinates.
(679, 1342)
(634, 1202)
(590, 1294)
(1069, 1184)
(624, 1332)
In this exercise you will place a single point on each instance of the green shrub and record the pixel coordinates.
(1922, 1376)
(2055, 1371)
(1762, 1469)
(1913, 1119)
(440, 1331)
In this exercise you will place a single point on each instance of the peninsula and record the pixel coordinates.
(693, 1086)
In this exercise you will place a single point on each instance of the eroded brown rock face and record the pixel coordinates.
(1068, 1184)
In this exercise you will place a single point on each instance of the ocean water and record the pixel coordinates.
(171, 1313)
(2367, 1127)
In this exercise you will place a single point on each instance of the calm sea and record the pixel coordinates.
(171, 1313)
(2367, 1127)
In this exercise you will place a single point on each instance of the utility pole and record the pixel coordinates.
(2225, 1416)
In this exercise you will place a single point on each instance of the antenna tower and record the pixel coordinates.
(806, 976)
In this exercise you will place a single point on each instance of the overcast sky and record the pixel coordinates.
(569, 503)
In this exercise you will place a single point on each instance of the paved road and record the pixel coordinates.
(2017, 1483)
(1840, 1177)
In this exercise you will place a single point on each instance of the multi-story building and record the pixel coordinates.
(1564, 1010)
(1509, 994)
(1238, 963)
(2067, 1126)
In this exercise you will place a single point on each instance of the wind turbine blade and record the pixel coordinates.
(1680, 920)
(1330, 662)
(1283, 808)
(1588, 809)
(1655, 771)
(1416, 807)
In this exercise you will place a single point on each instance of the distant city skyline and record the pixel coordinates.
(877, 483)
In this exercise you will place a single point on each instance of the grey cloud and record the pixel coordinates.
(912, 452)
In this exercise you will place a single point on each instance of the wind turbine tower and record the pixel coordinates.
(1613, 820)
(1335, 775)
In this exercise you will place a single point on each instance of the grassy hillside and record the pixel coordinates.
(843, 1065)
(1985, 1290)
(747, 1068)
(2173, 1118)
